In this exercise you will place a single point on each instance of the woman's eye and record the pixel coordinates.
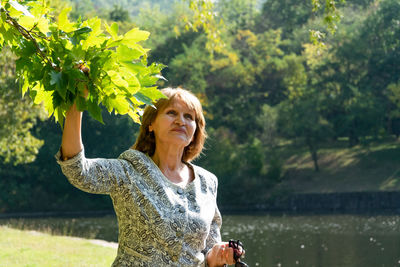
(189, 116)
(171, 112)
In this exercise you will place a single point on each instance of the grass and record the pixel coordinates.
(104, 228)
(29, 248)
(342, 169)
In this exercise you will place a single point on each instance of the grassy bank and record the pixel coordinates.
(372, 167)
(30, 248)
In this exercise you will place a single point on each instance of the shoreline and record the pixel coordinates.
(305, 203)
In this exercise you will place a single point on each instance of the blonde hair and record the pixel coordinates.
(146, 142)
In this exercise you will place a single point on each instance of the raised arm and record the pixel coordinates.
(71, 143)
(96, 175)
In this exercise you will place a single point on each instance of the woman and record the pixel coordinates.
(165, 205)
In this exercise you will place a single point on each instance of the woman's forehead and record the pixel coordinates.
(179, 103)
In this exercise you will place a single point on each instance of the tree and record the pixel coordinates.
(237, 14)
(285, 14)
(361, 63)
(18, 115)
(301, 119)
(119, 14)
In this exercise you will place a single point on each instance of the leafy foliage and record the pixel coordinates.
(18, 116)
(59, 60)
(206, 19)
(119, 14)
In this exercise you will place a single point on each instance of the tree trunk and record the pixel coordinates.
(314, 153)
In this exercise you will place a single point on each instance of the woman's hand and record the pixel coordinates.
(220, 254)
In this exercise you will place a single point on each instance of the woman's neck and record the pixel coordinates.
(169, 157)
(169, 160)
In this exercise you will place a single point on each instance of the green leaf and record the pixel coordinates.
(24, 87)
(27, 22)
(126, 54)
(135, 35)
(55, 77)
(59, 115)
(60, 80)
(134, 116)
(148, 80)
(3, 16)
(120, 104)
(39, 95)
(78, 35)
(95, 24)
(21, 64)
(81, 89)
(113, 30)
(81, 103)
(63, 22)
(135, 67)
(20, 8)
(94, 39)
(156, 67)
(36, 71)
(78, 53)
(130, 78)
(117, 79)
(26, 48)
(83, 30)
(94, 110)
(57, 99)
(152, 92)
(112, 43)
(43, 25)
(134, 46)
(144, 99)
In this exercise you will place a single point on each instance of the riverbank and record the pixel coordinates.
(363, 168)
(363, 179)
(325, 203)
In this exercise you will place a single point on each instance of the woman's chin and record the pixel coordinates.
(178, 141)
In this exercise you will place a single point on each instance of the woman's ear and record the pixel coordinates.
(150, 128)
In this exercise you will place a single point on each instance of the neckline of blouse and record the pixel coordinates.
(187, 186)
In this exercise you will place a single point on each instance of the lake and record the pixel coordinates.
(273, 240)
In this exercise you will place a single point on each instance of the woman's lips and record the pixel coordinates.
(179, 130)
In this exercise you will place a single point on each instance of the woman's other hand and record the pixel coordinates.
(220, 254)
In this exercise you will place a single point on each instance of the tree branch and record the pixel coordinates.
(27, 35)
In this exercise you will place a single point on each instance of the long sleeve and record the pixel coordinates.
(215, 230)
(98, 176)
(214, 235)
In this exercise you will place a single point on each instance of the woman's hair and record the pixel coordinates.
(146, 142)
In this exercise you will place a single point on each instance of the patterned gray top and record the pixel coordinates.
(160, 223)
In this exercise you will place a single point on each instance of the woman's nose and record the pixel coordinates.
(180, 120)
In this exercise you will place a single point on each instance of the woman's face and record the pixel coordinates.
(174, 125)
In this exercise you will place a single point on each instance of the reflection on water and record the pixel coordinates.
(326, 241)
(285, 241)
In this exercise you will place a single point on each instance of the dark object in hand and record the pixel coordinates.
(238, 251)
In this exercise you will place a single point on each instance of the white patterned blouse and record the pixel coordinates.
(160, 223)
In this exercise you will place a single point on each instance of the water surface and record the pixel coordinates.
(320, 241)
